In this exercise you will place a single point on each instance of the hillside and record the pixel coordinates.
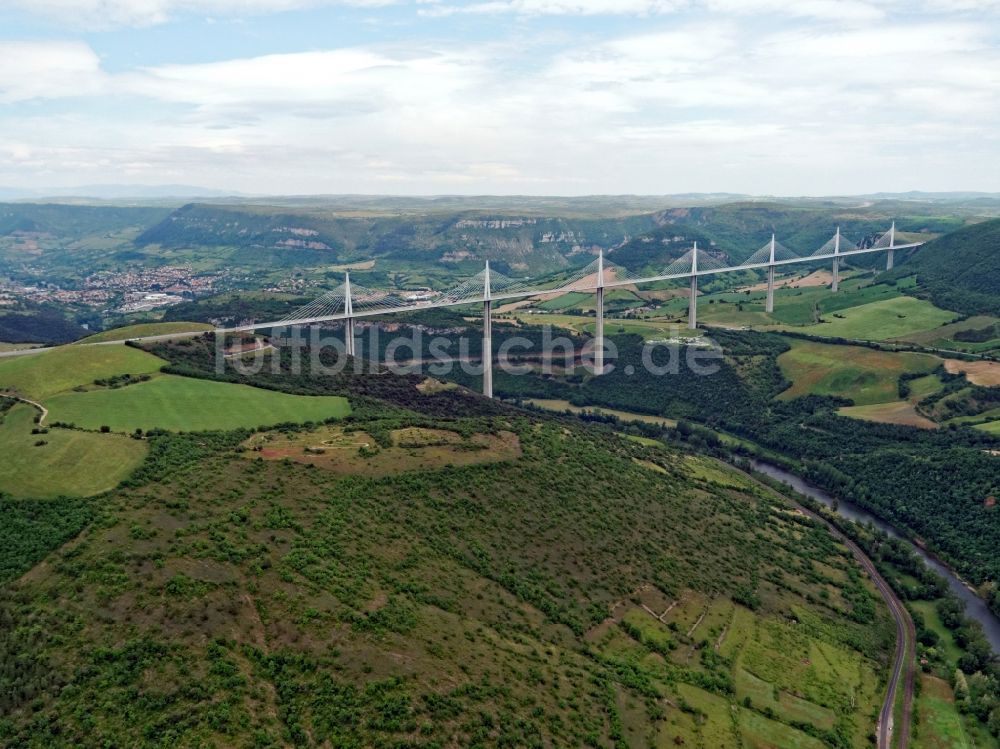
(31, 323)
(520, 245)
(48, 220)
(961, 270)
(739, 229)
(931, 482)
(434, 570)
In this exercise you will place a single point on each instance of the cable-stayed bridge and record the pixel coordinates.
(348, 302)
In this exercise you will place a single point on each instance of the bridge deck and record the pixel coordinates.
(573, 287)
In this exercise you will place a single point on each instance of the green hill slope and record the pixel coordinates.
(961, 270)
(412, 577)
(739, 229)
(263, 602)
(269, 237)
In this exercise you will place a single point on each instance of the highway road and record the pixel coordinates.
(43, 349)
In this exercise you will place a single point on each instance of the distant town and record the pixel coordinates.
(137, 290)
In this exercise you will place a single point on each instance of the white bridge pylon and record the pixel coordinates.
(348, 302)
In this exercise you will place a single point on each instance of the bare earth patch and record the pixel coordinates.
(983, 373)
(357, 453)
(430, 386)
(889, 413)
(816, 278)
(587, 283)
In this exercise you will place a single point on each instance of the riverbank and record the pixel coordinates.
(975, 607)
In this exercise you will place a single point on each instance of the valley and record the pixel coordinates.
(287, 555)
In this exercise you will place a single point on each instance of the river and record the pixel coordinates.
(975, 607)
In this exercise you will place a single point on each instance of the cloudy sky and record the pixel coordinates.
(790, 97)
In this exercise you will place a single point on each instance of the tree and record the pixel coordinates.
(994, 722)
(961, 686)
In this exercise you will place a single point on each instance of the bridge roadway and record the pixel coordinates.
(525, 293)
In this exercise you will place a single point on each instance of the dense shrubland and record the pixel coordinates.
(218, 598)
(961, 270)
(933, 483)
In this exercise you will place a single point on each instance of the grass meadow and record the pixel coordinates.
(39, 376)
(864, 375)
(189, 405)
(883, 320)
(146, 329)
(70, 462)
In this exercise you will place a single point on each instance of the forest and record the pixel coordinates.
(221, 598)
(934, 483)
(961, 270)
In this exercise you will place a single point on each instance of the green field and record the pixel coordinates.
(944, 337)
(864, 375)
(759, 732)
(880, 321)
(50, 372)
(72, 463)
(784, 676)
(146, 329)
(792, 306)
(567, 301)
(587, 300)
(940, 723)
(651, 329)
(564, 405)
(993, 427)
(861, 309)
(803, 306)
(183, 404)
(899, 412)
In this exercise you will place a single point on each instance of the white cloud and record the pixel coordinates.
(560, 7)
(360, 79)
(830, 10)
(31, 70)
(706, 104)
(835, 10)
(112, 13)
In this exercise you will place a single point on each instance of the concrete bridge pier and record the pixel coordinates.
(889, 258)
(349, 320)
(599, 332)
(488, 349)
(769, 306)
(349, 336)
(693, 302)
(835, 285)
(487, 336)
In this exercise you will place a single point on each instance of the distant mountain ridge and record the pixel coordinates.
(518, 244)
(737, 230)
(110, 192)
(530, 242)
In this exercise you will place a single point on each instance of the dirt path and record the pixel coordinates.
(36, 404)
(903, 667)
